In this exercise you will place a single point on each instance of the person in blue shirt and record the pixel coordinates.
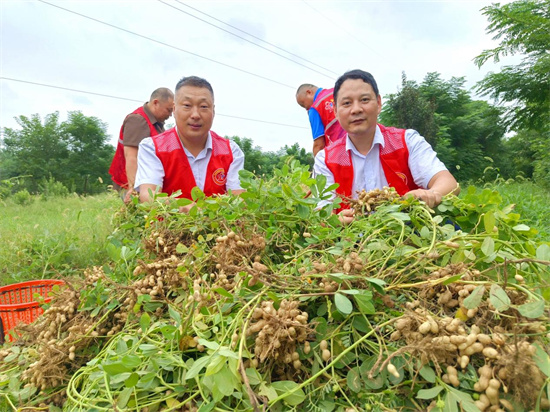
(320, 106)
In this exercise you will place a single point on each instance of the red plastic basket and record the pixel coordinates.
(17, 302)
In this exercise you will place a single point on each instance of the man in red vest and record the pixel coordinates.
(319, 104)
(147, 120)
(189, 154)
(374, 156)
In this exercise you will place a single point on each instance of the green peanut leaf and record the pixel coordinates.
(532, 310)
(343, 304)
(429, 393)
(499, 299)
(473, 301)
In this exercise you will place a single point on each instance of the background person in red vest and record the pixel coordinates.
(147, 120)
(374, 156)
(319, 104)
(189, 154)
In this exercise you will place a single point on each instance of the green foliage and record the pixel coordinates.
(57, 237)
(528, 155)
(23, 197)
(187, 341)
(75, 152)
(523, 27)
(11, 185)
(90, 154)
(530, 201)
(50, 188)
(410, 110)
(461, 130)
(264, 163)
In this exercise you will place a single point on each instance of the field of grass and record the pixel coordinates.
(53, 238)
(532, 203)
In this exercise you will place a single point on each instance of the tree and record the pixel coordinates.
(90, 155)
(530, 155)
(254, 159)
(523, 27)
(298, 153)
(462, 131)
(74, 152)
(410, 110)
(38, 150)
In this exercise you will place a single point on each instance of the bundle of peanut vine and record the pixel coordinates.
(266, 302)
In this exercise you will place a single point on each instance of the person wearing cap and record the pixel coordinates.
(147, 120)
(319, 104)
(373, 156)
(190, 154)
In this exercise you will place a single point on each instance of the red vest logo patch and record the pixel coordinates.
(329, 105)
(219, 177)
(402, 176)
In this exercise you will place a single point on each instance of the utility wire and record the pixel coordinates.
(343, 28)
(167, 45)
(255, 37)
(245, 39)
(141, 101)
(71, 90)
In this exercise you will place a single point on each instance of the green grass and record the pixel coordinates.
(54, 238)
(531, 202)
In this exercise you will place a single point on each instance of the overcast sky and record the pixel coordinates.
(158, 42)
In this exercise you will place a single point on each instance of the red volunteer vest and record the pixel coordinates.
(324, 104)
(394, 157)
(177, 170)
(118, 166)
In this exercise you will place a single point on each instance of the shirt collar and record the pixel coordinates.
(378, 139)
(150, 115)
(319, 90)
(207, 145)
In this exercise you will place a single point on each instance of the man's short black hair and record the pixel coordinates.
(194, 81)
(355, 74)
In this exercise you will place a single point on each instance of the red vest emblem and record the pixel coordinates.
(219, 177)
(403, 176)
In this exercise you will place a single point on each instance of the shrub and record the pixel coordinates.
(23, 197)
(52, 188)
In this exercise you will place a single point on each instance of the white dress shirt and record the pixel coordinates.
(151, 171)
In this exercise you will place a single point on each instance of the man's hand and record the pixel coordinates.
(186, 209)
(346, 216)
(128, 196)
(431, 197)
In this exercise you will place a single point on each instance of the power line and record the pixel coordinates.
(343, 28)
(251, 35)
(167, 45)
(141, 101)
(71, 90)
(243, 38)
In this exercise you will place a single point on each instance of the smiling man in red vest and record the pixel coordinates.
(374, 156)
(189, 154)
(147, 120)
(319, 104)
